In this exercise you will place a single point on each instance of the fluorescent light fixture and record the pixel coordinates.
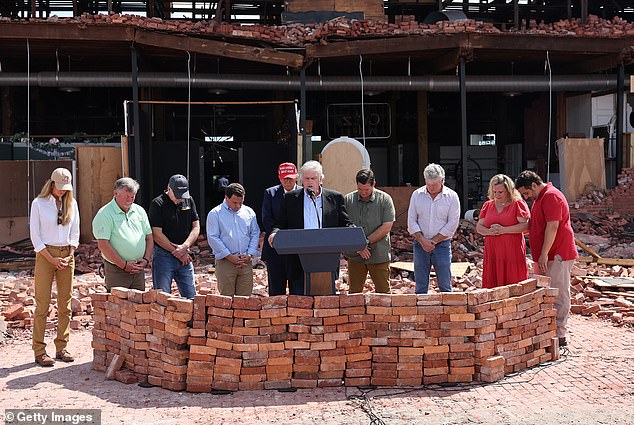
(218, 138)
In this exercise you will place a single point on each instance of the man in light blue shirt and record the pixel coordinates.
(233, 235)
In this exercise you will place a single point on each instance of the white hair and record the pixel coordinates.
(311, 166)
(434, 172)
(128, 184)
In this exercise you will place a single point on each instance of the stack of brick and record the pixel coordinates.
(250, 343)
(202, 357)
(150, 330)
(517, 323)
(353, 327)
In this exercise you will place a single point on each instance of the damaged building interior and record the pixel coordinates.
(235, 87)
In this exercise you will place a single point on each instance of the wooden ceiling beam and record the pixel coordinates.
(53, 31)
(382, 46)
(449, 60)
(219, 48)
(593, 64)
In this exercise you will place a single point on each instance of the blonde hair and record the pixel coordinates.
(67, 200)
(508, 185)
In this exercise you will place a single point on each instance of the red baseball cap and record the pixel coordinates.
(287, 169)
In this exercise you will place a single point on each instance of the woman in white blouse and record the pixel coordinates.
(55, 236)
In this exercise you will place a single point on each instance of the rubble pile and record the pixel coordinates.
(346, 28)
(590, 296)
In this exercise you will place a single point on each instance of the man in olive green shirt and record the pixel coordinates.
(373, 210)
(124, 237)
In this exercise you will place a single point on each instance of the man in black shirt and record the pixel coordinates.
(175, 227)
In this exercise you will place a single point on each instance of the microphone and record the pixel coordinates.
(312, 196)
(311, 193)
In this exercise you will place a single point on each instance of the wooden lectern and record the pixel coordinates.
(319, 251)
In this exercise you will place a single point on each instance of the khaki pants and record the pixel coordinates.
(559, 273)
(380, 274)
(119, 278)
(45, 272)
(234, 280)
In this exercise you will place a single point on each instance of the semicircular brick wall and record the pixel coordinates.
(252, 343)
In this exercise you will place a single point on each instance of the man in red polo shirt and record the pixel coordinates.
(551, 239)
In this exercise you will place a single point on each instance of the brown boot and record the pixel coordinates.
(44, 360)
(64, 356)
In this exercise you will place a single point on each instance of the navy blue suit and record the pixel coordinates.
(275, 263)
(291, 216)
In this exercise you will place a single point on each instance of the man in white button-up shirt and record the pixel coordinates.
(432, 218)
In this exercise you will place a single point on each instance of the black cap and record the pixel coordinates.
(180, 187)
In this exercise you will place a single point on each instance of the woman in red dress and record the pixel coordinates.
(502, 221)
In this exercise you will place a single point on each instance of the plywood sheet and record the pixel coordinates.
(342, 159)
(98, 167)
(581, 166)
(13, 229)
(457, 269)
(15, 192)
(400, 196)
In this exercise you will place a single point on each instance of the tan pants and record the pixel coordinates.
(380, 274)
(234, 280)
(45, 272)
(559, 273)
(119, 278)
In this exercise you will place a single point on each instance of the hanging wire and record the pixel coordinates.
(189, 106)
(362, 100)
(550, 111)
(28, 130)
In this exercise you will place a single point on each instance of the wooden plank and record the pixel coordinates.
(449, 60)
(59, 31)
(587, 248)
(541, 43)
(98, 167)
(618, 294)
(457, 269)
(601, 284)
(218, 48)
(15, 229)
(613, 282)
(581, 163)
(341, 162)
(320, 283)
(608, 261)
(390, 45)
(593, 64)
(15, 191)
(17, 265)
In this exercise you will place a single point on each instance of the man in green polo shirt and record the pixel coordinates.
(373, 210)
(124, 237)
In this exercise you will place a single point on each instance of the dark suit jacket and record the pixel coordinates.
(271, 210)
(334, 214)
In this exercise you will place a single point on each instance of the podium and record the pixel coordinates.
(319, 251)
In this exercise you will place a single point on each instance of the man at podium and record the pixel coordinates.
(309, 207)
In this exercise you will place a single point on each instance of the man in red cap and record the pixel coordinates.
(271, 207)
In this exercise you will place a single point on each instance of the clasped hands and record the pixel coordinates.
(181, 252)
(61, 263)
(496, 229)
(240, 260)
